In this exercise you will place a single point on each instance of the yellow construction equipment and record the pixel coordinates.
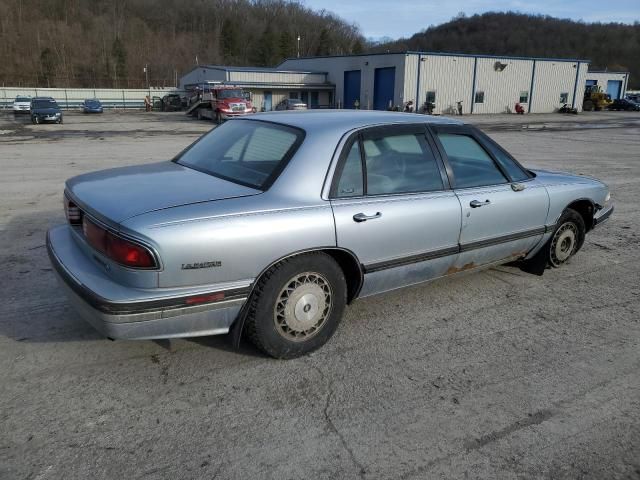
(595, 99)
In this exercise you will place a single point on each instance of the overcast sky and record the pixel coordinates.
(400, 18)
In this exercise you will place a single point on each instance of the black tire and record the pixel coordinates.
(199, 114)
(306, 284)
(218, 118)
(567, 238)
(35, 120)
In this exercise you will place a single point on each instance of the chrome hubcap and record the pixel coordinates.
(564, 243)
(303, 306)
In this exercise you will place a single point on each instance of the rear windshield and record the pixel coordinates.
(248, 152)
(23, 99)
(92, 102)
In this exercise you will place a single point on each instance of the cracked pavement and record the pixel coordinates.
(496, 375)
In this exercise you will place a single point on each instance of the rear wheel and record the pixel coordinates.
(587, 106)
(297, 305)
(567, 238)
(218, 118)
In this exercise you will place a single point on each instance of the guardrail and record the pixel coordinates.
(72, 98)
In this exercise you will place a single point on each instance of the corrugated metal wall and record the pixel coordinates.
(502, 80)
(202, 74)
(552, 80)
(277, 77)
(73, 97)
(451, 78)
(603, 77)
(257, 97)
(336, 66)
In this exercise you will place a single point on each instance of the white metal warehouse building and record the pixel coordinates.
(483, 83)
(613, 83)
(268, 86)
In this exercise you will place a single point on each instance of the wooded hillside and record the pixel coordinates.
(106, 43)
(608, 45)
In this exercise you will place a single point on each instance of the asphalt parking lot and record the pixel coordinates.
(494, 375)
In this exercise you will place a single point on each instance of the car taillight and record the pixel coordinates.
(72, 212)
(116, 248)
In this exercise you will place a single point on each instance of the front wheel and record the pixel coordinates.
(296, 305)
(567, 238)
(35, 120)
(218, 118)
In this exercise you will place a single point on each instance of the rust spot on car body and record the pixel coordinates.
(466, 266)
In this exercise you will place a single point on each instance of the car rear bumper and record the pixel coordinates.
(145, 314)
(602, 216)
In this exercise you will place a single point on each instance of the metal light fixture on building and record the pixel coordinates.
(499, 67)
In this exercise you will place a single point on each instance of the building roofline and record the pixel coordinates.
(443, 54)
(608, 71)
(224, 68)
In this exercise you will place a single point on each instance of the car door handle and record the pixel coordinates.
(361, 217)
(478, 203)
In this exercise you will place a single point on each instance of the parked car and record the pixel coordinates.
(624, 104)
(291, 104)
(271, 224)
(171, 102)
(22, 104)
(45, 109)
(92, 105)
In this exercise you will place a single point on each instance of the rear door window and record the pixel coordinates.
(472, 166)
(400, 163)
(351, 183)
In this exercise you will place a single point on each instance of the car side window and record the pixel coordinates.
(351, 178)
(401, 163)
(513, 170)
(471, 164)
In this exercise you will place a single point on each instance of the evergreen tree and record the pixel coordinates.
(357, 47)
(47, 66)
(119, 54)
(286, 45)
(324, 43)
(267, 51)
(229, 41)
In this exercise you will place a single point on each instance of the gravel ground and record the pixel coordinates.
(494, 375)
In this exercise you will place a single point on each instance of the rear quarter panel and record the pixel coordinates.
(241, 237)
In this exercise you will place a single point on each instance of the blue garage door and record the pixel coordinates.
(383, 87)
(351, 88)
(614, 87)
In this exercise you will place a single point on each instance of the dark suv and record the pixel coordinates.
(624, 104)
(45, 109)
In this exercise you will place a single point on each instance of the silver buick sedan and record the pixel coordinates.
(269, 225)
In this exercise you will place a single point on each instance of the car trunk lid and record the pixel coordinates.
(117, 194)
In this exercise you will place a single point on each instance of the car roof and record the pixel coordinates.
(346, 120)
(42, 98)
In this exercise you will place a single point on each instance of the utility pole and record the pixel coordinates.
(298, 46)
(146, 73)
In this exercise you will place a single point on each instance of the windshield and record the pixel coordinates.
(248, 152)
(230, 94)
(23, 99)
(92, 103)
(45, 104)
